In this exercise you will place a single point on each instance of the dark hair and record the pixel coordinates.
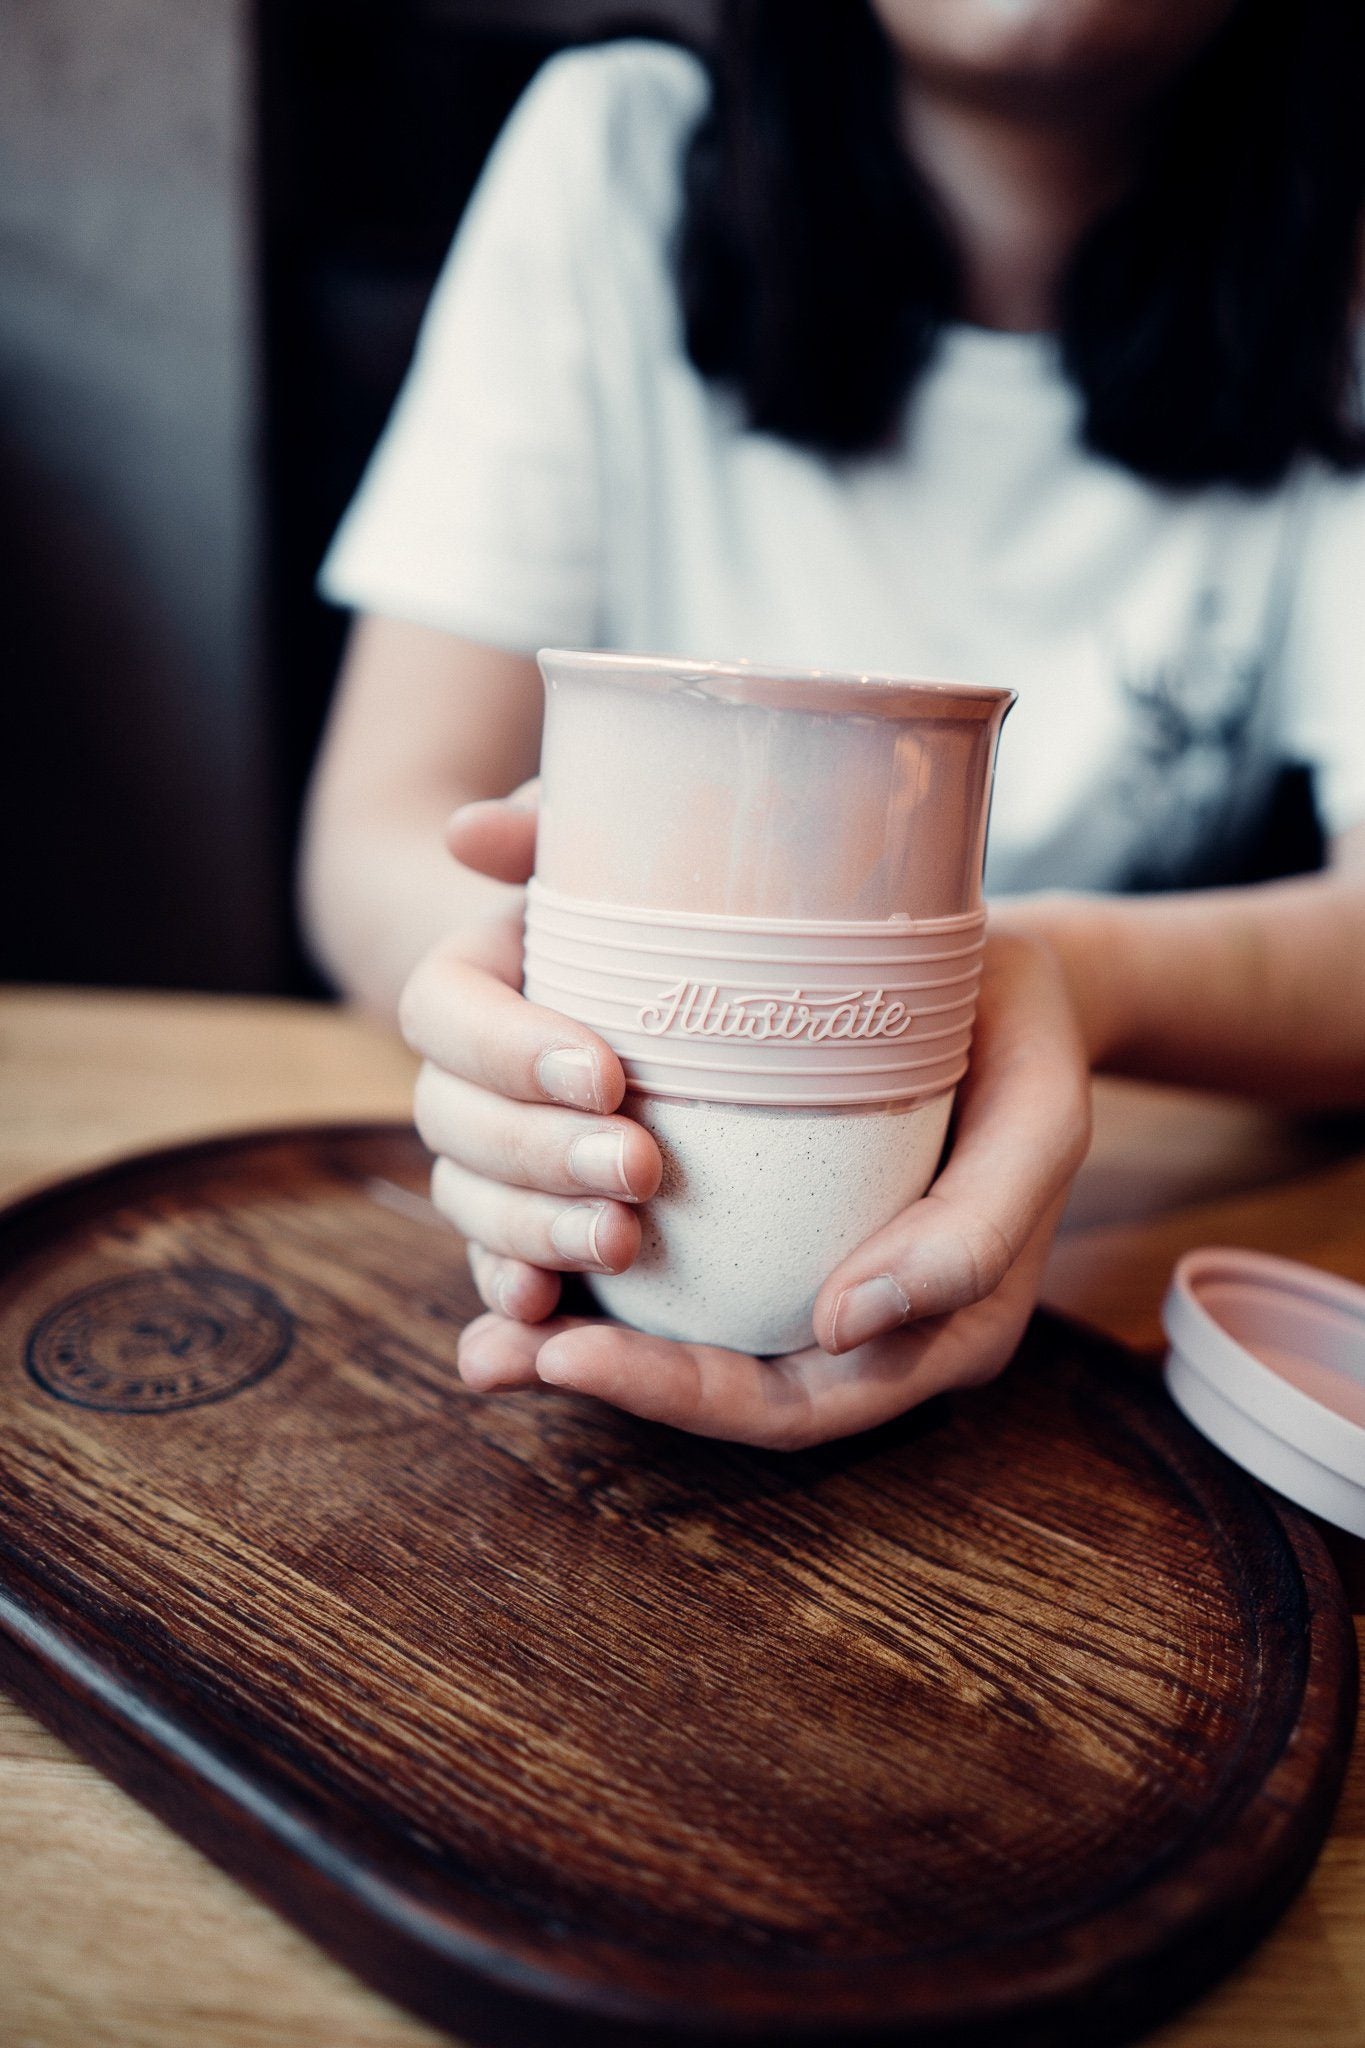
(1207, 318)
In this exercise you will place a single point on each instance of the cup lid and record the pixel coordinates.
(1267, 1360)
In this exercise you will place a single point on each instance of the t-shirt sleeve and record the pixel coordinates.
(479, 509)
(1325, 652)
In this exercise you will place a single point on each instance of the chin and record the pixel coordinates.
(1049, 47)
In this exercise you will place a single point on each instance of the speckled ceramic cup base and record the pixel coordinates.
(757, 1208)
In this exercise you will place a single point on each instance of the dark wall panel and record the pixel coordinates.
(218, 224)
(136, 818)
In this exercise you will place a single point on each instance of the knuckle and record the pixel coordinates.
(490, 1279)
(427, 1106)
(475, 1206)
(1071, 1127)
(989, 1363)
(510, 1054)
(519, 1153)
(1082, 1121)
(792, 1429)
(434, 989)
(987, 1256)
(444, 1190)
(1014, 957)
(525, 1220)
(508, 1048)
(412, 1009)
(512, 1223)
(1076, 1148)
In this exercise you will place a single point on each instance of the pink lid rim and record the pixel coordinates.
(1277, 1430)
(761, 682)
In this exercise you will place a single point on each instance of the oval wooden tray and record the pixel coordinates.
(1015, 1722)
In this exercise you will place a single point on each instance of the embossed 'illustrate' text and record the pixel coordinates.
(700, 1009)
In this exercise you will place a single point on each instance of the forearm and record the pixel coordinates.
(1258, 991)
(376, 896)
(421, 722)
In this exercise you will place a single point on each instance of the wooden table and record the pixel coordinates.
(114, 1934)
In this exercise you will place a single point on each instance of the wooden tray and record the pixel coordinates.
(1015, 1722)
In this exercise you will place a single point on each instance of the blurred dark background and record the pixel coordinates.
(219, 223)
(218, 227)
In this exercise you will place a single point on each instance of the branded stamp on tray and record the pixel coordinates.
(150, 1342)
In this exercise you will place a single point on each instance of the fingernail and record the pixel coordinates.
(598, 1160)
(574, 1232)
(868, 1310)
(570, 1076)
(490, 1275)
(559, 1372)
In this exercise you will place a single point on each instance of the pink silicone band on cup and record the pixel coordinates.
(802, 1013)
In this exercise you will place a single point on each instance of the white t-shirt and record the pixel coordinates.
(556, 472)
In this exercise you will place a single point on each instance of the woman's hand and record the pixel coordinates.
(531, 1166)
(937, 1299)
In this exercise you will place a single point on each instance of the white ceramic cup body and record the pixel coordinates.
(725, 791)
(757, 1206)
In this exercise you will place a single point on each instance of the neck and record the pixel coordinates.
(1018, 194)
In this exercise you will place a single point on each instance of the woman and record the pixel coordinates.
(1009, 339)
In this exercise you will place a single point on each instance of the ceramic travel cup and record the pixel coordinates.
(762, 888)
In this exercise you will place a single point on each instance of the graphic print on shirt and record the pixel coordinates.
(1186, 780)
(603, 495)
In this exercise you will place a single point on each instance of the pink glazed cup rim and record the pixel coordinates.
(786, 689)
(1267, 1359)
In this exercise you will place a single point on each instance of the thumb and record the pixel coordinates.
(497, 836)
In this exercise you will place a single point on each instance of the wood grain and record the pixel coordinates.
(86, 1074)
(114, 1931)
(1015, 1722)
